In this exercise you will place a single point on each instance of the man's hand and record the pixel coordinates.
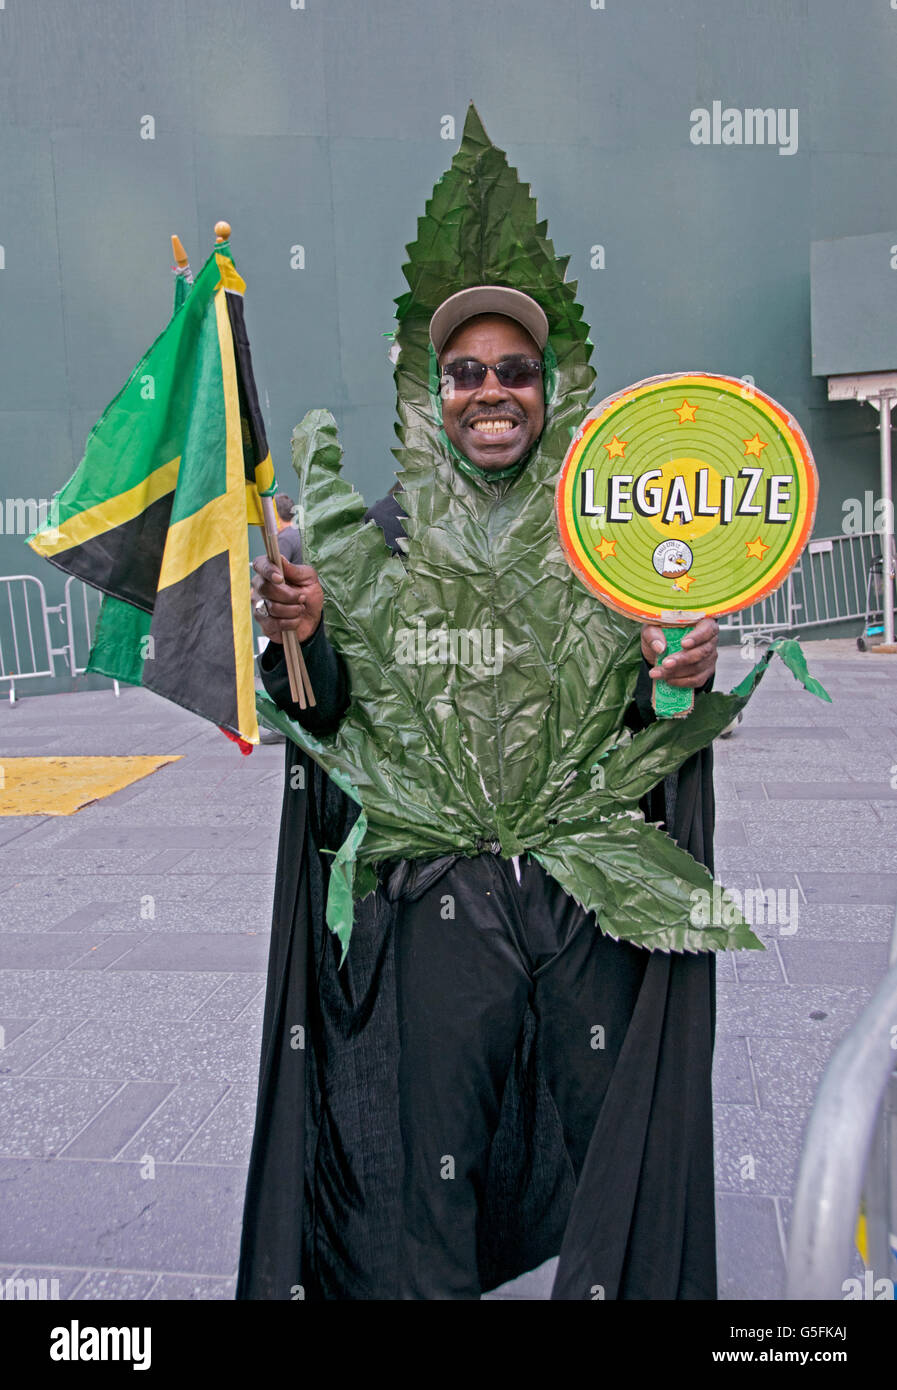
(294, 597)
(696, 662)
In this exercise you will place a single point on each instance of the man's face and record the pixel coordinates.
(489, 338)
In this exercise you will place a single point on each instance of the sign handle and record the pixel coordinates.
(672, 701)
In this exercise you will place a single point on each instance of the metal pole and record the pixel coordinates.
(836, 1150)
(885, 403)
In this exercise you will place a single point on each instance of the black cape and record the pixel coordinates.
(321, 1207)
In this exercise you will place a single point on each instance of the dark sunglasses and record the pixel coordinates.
(466, 373)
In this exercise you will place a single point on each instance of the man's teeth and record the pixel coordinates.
(493, 426)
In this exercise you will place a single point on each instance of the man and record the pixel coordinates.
(499, 1002)
(288, 537)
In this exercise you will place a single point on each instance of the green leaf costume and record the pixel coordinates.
(511, 734)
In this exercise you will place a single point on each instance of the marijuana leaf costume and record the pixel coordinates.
(441, 768)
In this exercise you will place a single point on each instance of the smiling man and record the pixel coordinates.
(493, 402)
(429, 1014)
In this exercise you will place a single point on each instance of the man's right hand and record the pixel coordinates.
(294, 597)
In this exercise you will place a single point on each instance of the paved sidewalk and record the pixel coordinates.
(133, 949)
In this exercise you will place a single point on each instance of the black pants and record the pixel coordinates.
(471, 952)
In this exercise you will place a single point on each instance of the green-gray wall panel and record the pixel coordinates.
(854, 304)
(93, 64)
(256, 66)
(119, 199)
(276, 194)
(37, 457)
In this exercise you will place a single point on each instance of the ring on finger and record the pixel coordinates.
(261, 608)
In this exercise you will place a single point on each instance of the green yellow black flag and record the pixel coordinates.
(156, 513)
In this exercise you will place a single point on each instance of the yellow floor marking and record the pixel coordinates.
(59, 786)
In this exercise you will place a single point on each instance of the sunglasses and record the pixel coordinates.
(466, 373)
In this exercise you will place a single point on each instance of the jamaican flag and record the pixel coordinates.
(156, 514)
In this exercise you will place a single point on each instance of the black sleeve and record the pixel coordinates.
(329, 681)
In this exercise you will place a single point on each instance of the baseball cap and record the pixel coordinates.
(488, 299)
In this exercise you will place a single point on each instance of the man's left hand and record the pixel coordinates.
(696, 662)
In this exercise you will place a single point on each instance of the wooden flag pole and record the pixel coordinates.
(300, 684)
(180, 258)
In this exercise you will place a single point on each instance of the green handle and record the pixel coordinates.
(670, 701)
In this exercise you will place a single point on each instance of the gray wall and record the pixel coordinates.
(323, 126)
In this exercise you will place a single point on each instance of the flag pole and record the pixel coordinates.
(181, 260)
(300, 683)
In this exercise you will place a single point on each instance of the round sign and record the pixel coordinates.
(686, 495)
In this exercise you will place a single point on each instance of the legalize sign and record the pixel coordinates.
(685, 496)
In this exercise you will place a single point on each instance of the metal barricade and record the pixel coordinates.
(27, 649)
(827, 585)
(851, 1141)
(833, 572)
(775, 613)
(81, 608)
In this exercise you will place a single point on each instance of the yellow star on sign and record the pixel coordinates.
(684, 582)
(756, 549)
(685, 412)
(754, 446)
(616, 448)
(607, 547)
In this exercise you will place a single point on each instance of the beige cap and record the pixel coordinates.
(488, 299)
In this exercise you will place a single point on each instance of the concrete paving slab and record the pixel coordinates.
(259, 863)
(139, 995)
(760, 966)
(10, 1028)
(170, 1128)
(761, 1010)
(104, 1215)
(831, 789)
(157, 1051)
(773, 856)
(846, 922)
(112, 1284)
(15, 827)
(40, 902)
(135, 837)
(809, 962)
(234, 998)
(39, 1118)
(30, 950)
(110, 949)
(49, 1282)
(862, 888)
(174, 1286)
(729, 832)
(225, 1137)
(749, 1252)
(198, 951)
(733, 1082)
(41, 1035)
(113, 1126)
(789, 1066)
(757, 1149)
